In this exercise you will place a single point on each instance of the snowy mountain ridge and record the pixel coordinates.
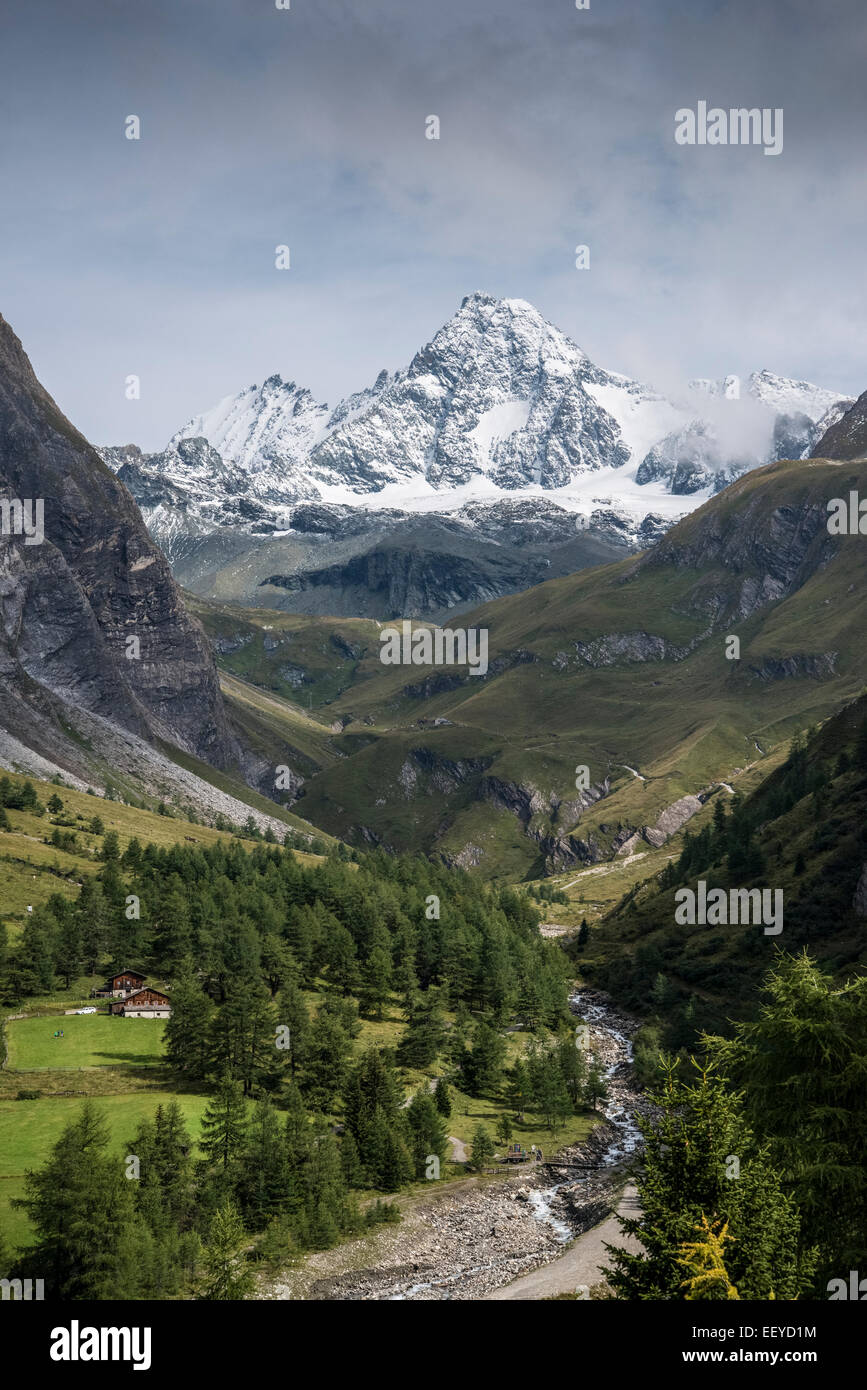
(499, 405)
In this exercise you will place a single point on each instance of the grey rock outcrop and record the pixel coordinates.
(847, 437)
(69, 604)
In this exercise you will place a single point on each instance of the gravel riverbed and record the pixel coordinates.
(480, 1235)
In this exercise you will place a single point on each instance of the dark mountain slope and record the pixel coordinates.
(68, 605)
(847, 439)
(804, 832)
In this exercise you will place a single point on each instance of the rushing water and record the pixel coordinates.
(624, 1141)
(627, 1137)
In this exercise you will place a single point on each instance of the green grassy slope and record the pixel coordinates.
(30, 870)
(494, 786)
(808, 821)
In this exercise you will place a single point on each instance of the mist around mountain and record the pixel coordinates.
(846, 435)
(436, 760)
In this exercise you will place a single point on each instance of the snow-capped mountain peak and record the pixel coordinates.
(787, 397)
(499, 404)
(268, 431)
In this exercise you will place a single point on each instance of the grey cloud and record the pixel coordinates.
(307, 126)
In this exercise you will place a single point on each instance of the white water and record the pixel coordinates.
(624, 1142)
(628, 1136)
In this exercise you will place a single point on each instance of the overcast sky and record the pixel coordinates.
(306, 127)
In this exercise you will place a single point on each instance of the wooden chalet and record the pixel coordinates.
(143, 1003)
(119, 986)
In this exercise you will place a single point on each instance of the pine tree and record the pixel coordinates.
(187, 1034)
(327, 1060)
(68, 954)
(226, 1277)
(78, 1203)
(110, 851)
(350, 1162)
(342, 960)
(425, 1035)
(173, 938)
(520, 1087)
(172, 1159)
(803, 1067)
(547, 1083)
(396, 1167)
(330, 1212)
(224, 1129)
(95, 917)
(36, 953)
(244, 1035)
(572, 1067)
(375, 982)
(427, 1130)
(703, 1259)
(132, 855)
(482, 1067)
(279, 966)
(442, 1097)
(293, 1014)
(662, 994)
(482, 1147)
(595, 1089)
(262, 1184)
(701, 1161)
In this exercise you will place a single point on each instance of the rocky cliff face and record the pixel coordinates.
(69, 604)
(349, 562)
(847, 437)
(751, 554)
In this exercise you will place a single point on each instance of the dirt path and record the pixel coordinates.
(582, 1263)
(431, 1086)
(460, 1153)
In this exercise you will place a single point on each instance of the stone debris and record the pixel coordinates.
(469, 1241)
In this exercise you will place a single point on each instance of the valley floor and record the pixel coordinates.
(486, 1236)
